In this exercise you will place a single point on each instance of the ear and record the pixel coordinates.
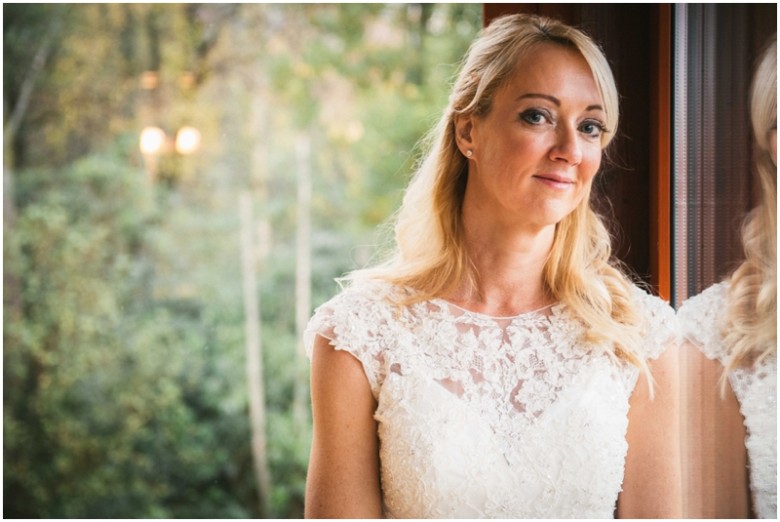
(464, 132)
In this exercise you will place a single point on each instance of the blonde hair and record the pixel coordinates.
(751, 321)
(431, 255)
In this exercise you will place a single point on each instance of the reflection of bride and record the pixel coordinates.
(735, 323)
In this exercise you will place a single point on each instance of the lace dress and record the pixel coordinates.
(486, 417)
(755, 388)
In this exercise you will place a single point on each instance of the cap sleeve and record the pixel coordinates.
(356, 321)
(659, 324)
(700, 318)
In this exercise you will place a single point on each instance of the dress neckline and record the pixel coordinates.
(441, 302)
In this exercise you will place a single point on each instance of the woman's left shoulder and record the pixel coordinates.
(651, 305)
(657, 321)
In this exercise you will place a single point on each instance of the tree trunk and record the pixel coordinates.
(302, 277)
(12, 299)
(254, 355)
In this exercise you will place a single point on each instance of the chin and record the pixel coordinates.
(554, 214)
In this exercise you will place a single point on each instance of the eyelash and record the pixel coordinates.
(601, 129)
(527, 116)
(531, 113)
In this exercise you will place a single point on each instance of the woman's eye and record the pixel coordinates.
(592, 128)
(534, 117)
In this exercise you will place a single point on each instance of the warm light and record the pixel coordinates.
(187, 140)
(150, 80)
(152, 140)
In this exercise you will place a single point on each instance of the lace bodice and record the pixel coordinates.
(755, 387)
(485, 417)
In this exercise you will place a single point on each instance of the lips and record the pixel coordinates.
(555, 179)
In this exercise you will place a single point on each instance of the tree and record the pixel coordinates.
(125, 368)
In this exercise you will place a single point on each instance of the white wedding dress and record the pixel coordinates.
(755, 387)
(486, 417)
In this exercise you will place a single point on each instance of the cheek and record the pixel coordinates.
(591, 161)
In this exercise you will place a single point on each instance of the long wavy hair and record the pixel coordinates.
(430, 253)
(750, 329)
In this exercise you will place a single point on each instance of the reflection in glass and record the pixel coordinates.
(734, 325)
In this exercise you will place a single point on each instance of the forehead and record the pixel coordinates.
(554, 70)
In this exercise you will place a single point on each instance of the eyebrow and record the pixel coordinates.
(555, 100)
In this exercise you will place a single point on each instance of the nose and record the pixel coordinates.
(567, 146)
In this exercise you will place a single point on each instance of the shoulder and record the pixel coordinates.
(360, 296)
(700, 318)
(360, 320)
(705, 307)
(359, 305)
(649, 305)
(657, 322)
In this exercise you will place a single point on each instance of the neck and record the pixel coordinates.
(508, 263)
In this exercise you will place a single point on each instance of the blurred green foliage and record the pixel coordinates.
(124, 379)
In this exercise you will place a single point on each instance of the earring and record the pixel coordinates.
(469, 153)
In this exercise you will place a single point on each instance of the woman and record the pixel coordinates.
(486, 370)
(734, 323)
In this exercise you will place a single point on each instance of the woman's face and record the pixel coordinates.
(535, 154)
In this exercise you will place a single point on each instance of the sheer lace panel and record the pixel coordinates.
(490, 417)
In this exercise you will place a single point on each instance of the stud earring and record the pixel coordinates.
(469, 153)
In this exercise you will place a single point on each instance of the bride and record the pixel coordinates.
(499, 365)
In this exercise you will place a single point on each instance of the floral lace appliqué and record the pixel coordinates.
(484, 417)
